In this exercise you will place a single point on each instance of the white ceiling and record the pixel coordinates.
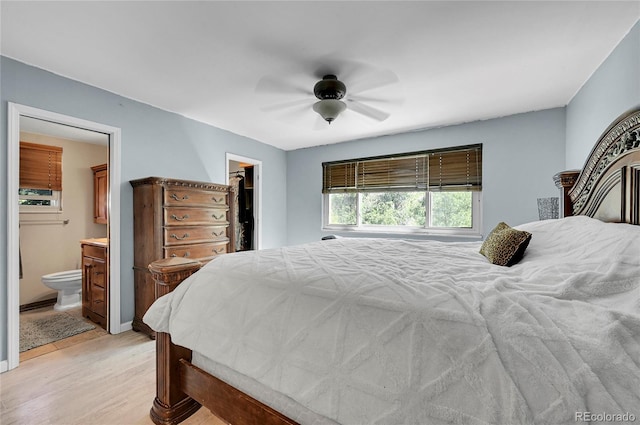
(229, 63)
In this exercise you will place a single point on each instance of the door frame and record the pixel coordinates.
(15, 111)
(257, 191)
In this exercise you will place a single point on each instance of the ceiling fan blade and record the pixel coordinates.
(372, 80)
(366, 110)
(286, 105)
(380, 100)
(300, 116)
(277, 85)
(344, 69)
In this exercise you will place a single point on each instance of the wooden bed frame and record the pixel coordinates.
(608, 188)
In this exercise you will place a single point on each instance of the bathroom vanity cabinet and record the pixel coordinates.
(95, 280)
(176, 218)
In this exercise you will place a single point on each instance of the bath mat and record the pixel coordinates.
(52, 327)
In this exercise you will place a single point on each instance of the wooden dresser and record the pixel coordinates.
(176, 218)
(95, 280)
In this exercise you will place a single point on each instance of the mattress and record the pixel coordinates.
(276, 400)
(386, 331)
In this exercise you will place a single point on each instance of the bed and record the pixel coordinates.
(383, 331)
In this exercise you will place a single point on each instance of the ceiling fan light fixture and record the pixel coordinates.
(329, 109)
(329, 90)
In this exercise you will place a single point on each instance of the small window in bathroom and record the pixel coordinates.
(39, 200)
(40, 178)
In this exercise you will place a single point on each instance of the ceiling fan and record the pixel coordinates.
(373, 93)
(329, 90)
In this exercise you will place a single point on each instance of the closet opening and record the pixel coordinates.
(244, 174)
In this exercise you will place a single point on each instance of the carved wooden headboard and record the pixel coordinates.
(608, 187)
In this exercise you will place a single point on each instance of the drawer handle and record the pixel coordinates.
(218, 250)
(218, 217)
(184, 198)
(184, 217)
(98, 273)
(186, 254)
(216, 200)
(220, 233)
(185, 236)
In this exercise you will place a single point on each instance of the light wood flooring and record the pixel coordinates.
(107, 380)
(63, 343)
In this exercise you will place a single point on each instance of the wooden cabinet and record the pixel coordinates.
(175, 218)
(95, 280)
(100, 193)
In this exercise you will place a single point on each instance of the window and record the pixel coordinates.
(437, 192)
(40, 178)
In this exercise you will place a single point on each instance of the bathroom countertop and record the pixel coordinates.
(101, 242)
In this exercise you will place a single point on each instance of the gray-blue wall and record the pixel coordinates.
(521, 153)
(154, 143)
(613, 89)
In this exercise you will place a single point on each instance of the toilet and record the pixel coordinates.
(69, 286)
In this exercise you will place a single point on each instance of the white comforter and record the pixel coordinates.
(379, 331)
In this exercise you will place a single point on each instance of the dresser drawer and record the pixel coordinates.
(195, 216)
(195, 197)
(196, 251)
(188, 235)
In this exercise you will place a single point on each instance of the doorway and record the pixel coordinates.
(16, 113)
(244, 174)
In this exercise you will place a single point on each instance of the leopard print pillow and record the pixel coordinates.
(505, 245)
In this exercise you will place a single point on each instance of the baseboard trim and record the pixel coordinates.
(38, 304)
(4, 366)
(126, 326)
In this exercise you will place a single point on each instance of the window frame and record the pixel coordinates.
(429, 171)
(55, 207)
(475, 231)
